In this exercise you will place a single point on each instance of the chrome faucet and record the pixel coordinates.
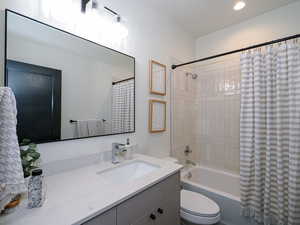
(117, 150)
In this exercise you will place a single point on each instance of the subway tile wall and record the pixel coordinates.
(206, 113)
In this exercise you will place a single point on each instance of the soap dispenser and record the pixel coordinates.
(129, 149)
(127, 141)
(36, 191)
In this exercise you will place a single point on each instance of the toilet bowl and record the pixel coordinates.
(198, 209)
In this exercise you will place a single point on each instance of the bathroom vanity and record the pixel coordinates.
(159, 205)
(140, 191)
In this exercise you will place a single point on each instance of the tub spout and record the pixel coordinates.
(190, 162)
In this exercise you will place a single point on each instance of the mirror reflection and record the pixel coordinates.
(66, 87)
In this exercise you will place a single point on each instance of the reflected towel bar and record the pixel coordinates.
(76, 121)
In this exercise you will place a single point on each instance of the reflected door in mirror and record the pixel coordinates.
(38, 95)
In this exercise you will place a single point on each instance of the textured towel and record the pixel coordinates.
(82, 128)
(11, 173)
(95, 127)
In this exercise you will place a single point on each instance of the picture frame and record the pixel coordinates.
(158, 78)
(157, 116)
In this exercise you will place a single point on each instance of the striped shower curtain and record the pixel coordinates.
(270, 134)
(123, 107)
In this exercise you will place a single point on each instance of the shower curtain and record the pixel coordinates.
(270, 134)
(123, 107)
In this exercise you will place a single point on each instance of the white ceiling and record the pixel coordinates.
(200, 17)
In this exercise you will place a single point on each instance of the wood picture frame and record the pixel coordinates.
(157, 116)
(158, 78)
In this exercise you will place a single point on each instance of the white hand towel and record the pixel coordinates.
(11, 173)
(82, 128)
(95, 127)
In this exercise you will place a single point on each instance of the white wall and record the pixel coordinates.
(272, 25)
(151, 36)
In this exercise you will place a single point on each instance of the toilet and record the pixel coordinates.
(196, 208)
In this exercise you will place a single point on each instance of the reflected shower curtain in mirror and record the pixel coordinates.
(123, 106)
(270, 134)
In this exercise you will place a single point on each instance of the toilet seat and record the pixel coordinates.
(197, 208)
(199, 219)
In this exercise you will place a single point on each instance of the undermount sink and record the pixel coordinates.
(127, 172)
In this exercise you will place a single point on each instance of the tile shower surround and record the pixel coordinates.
(206, 113)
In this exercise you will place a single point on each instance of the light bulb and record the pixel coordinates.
(121, 30)
(239, 5)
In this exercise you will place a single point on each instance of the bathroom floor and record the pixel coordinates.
(187, 223)
(194, 224)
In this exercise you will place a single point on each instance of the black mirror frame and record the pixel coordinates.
(84, 39)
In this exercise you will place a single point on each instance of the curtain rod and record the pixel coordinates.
(238, 50)
(120, 81)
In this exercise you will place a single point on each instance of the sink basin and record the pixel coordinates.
(128, 172)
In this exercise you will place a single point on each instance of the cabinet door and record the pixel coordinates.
(107, 218)
(162, 200)
(138, 207)
(168, 212)
(146, 220)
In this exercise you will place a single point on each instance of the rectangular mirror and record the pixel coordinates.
(66, 87)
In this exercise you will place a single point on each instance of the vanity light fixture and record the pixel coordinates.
(95, 5)
(117, 29)
(120, 29)
(85, 2)
(239, 5)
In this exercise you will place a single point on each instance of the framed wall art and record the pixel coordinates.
(157, 116)
(158, 77)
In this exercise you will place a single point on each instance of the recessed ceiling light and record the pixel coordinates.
(239, 5)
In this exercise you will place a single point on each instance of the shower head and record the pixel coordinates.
(193, 75)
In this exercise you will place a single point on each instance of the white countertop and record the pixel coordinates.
(76, 196)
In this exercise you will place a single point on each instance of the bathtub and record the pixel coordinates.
(222, 187)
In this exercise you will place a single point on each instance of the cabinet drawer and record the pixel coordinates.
(107, 218)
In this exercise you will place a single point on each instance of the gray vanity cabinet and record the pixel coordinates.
(157, 205)
(107, 218)
(170, 201)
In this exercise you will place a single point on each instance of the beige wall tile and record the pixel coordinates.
(206, 115)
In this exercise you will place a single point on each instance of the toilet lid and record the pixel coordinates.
(199, 205)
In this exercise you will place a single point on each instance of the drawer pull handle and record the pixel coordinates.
(152, 216)
(160, 211)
